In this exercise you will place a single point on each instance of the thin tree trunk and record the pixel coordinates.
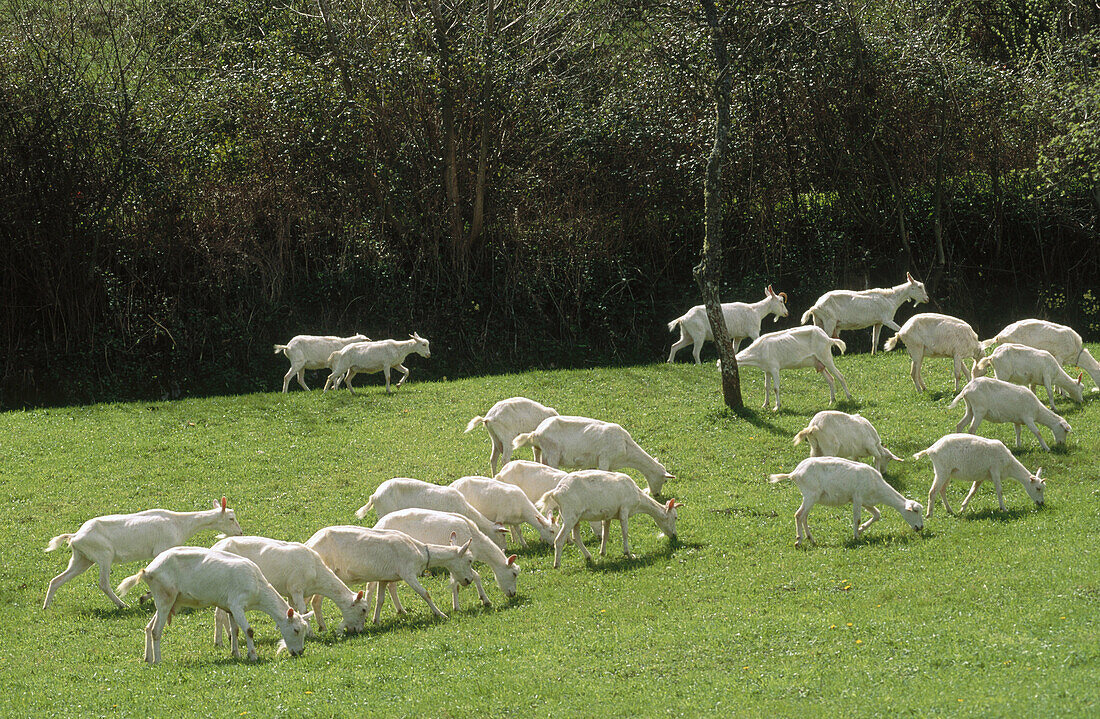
(345, 77)
(450, 151)
(477, 219)
(708, 272)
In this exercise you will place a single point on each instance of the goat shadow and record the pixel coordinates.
(995, 514)
(889, 539)
(620, 563)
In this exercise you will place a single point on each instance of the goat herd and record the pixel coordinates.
(423, 526)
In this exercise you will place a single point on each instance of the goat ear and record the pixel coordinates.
(909, 277)
(360, 595)
(223, 504)
(1080, 377)
(1037, 472)
(511, 560)
(466, 546)
(290, 613)
(768, 290)
(671, 504)
(669, 476)
(454, 537)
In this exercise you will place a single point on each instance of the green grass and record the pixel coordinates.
(982, 615)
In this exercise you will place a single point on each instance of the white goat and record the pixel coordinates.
(197, 577)
(1061, 341)
(742, 320)
(296, 572)
(964, 456)
(380, 356)
(1021, 364)
(791, 349)
(834, 481)
(584, 443)
(383, 557)
(846, 310)
(505, 504)
(600, 496)
(118, 538)
(407, 493)
(837, 434)
(534, 478)
(312, 352)
(934, 335)
(999, 401)
(433, 527)
(505, 420)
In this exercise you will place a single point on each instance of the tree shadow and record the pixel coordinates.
(755, 417)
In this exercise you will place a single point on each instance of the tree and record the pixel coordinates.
(708, 273)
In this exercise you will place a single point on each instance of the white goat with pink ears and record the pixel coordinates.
(505, 420)
(312, 352)
(847, 310)
(792, 349)
(119, 538)
(197, 577)
(742, 321)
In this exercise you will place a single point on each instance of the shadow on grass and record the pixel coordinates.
(745, 512)
(621, 563)
(850, 405)
(889, 539)
(995, 514)
(755, 417)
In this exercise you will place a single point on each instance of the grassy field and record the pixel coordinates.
(989, 614)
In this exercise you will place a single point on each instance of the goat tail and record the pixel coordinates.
(920, 454)
(957, 399)
(982, 366)
(804, 434)
(891, 343)
(839, 344)
(129, 582)
(280, 348)
(808, 315)
(362, 511)
(475, 423)
(775, 478)
(675, 323)
(986, 344)
(57, 541)
(523, 440)
(889, 454)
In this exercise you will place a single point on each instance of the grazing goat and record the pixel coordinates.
(964, 456)
(380, 356)
(742, 320)
(505, 420)
(933, 335)
(534, 478)
(118, 538)
(312, 352)
(846, 310)
(406, 493)
(999, 401)
(1021, 364)
(834, 481)
(383, 557)
(433, 527)
(505, 504)
(585, 443)
(1061, 341)
(791, 349)
(196, 577)
(296, 572)
(836, 434)
(601, 496)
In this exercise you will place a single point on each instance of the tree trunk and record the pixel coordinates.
(477, 219)
(708, 272)
(453, 211)
(345, 77)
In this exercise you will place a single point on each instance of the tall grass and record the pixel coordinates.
(986, 614)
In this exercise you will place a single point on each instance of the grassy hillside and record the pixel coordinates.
(988, 614)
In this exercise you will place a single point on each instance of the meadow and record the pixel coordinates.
(988, 614)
